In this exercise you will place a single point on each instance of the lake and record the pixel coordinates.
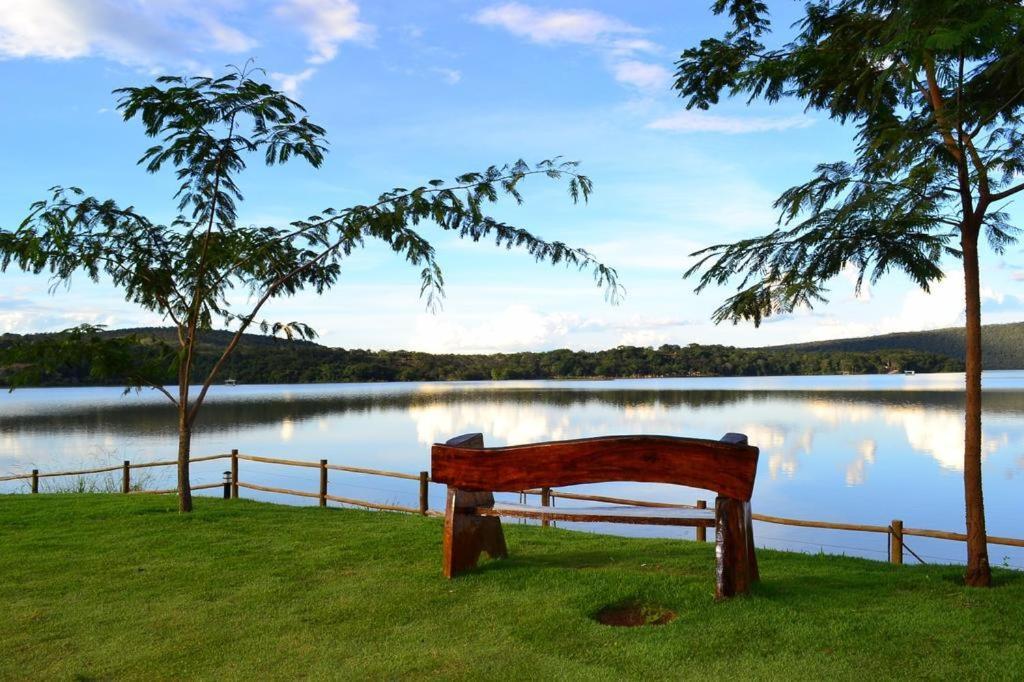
(855, 449)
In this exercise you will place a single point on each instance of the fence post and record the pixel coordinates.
(896, 542)
(126, 477)
(323, 483)
(35, 480)
(227, 485)
(545, 501)
(702, 532)
(424, 504)
(234, 474)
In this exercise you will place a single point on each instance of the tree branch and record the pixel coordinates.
(1007, 193)
(161, 298)
(193, 319)
(392, 199)
(163, 390)
(938, 107)
(247, 320)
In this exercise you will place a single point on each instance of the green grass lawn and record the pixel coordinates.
(106, 586)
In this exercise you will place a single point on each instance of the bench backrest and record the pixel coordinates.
(725, 466)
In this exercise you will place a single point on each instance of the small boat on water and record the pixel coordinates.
(909, 372)
(230, 382)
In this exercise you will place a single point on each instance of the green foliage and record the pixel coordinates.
(190, 114)
(934, 89)
(258, 361)
(88, 355)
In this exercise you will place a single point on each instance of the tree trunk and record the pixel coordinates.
(978, 572)
(184, 451)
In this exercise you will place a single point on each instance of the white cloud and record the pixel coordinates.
(412, 31)
(993, 301)
(521, 327)
(159, 35)
(449, 76)
(650, 250)
(225, 38)
(135, 33)
(700, 122)
(45, 29)
(626, 47)
(644, 338)
(19, 315)
(617, 40)
(583, 27)
(290, 82)
(641, 74)
(850, 273)
(943, 306)
(514, 328)
(326, 24)
(917, 310)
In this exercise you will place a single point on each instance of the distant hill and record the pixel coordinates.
(1002, 344)
(259, 359)
(214, 338)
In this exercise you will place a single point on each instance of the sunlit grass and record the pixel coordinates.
(109, 586)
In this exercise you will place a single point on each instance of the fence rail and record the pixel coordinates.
(232, 484)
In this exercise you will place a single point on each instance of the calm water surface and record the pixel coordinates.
(854, 449)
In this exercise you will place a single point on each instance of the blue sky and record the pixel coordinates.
(410, 91)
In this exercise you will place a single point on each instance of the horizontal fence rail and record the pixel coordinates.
(281, 491)
(821, 524)
(169, 491)
(232, 484)
(144, 465)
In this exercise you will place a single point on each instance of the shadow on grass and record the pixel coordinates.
(1001, 577)
(785, 579)
(597, 559)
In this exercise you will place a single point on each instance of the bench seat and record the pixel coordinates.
(473, 473)
(654, 516)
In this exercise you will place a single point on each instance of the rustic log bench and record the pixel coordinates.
(474, 473)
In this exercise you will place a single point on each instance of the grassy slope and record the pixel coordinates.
(103, 586)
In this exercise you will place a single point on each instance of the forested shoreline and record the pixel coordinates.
(265, 360)
(317, 364)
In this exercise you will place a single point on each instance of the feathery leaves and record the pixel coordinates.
(938, 144)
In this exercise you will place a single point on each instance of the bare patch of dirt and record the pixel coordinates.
(632, 614)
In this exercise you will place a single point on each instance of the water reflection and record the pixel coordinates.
(501, 423)
(287, 429)
(832, 451)
(856, 470)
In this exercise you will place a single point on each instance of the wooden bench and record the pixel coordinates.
(474, 473)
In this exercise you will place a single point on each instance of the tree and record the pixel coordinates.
(192, 271)
(934, 90)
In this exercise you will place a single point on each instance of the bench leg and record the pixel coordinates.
(753, 571)
(467, 535)
(735, 558)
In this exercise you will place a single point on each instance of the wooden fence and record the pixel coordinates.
(231, 485)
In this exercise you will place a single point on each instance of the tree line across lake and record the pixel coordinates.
(268, 360)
